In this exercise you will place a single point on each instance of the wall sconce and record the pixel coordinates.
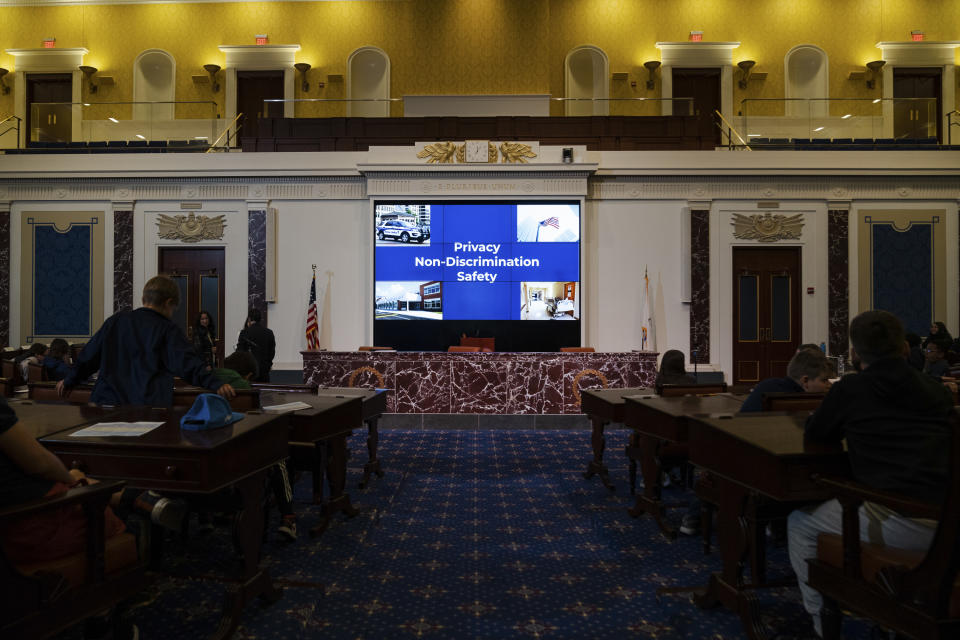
(651, 66)
(745, 67)
(4, 87)
(874, 68)
(213, 70)
(88, 72)
(303, 67)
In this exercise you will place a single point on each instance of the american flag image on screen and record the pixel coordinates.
(552, 221)
(313, 331)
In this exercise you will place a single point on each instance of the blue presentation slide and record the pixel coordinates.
(477, 261)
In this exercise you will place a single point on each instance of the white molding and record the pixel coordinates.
(926, 53)
(696, 54)
(47, 60)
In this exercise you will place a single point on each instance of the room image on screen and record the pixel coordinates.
(471, 268)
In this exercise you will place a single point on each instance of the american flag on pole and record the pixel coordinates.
(552, 221)
(313, 330)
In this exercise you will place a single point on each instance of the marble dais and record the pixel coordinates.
(497, 383)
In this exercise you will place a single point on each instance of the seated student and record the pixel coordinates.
(808, 372)
(915, 354)
(33, 355)
(139, 352)
(54, 363)
(672, 369)
(894, 420)
(935, 359)
(938, 331)
(238, 370)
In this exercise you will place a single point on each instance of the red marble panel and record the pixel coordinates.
(423, 387)
(478, 385)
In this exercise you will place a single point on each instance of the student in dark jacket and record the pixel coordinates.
(139, 352)
(808, 372)
(894, 421)
(672, 369)
(935, 359)
(54, 362)
(258, 340)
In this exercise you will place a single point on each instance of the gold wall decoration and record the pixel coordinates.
(516, 152)
(576, 382)
(439, 153)
(767, 227)
(191, 227)
(450, 152)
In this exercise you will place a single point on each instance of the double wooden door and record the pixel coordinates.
(703, 85)
(199, 273)
(766, 307)
(253, 87)
(913, 117)
(49, 108)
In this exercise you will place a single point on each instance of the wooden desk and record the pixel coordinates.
(660, 430)
(44, 419)
(197, 462)
(603, 406)
(318, 443)
(754, 457)
(374, 406)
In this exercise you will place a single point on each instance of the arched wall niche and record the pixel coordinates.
(586, 73)
(368, 78)
(154, 74)
(806, 68)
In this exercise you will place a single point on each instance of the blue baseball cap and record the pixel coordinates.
(209, 411)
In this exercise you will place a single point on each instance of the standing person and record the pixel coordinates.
(205, 338)
(139, 352)
(894, 419)
(258, 340)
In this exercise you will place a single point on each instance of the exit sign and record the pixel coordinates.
(262, 39)
(49, 43)
(916, 36)
(696, 36)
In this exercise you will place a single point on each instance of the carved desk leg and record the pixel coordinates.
(599, 443)
(336, 468)
(736, 538)
(248, 537)
(650, 500)
(373, 463)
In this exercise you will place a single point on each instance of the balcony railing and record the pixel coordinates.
(136, 122)
(838, 118)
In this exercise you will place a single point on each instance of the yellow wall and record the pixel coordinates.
(478, 46)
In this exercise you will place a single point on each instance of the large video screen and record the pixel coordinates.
(507, 270)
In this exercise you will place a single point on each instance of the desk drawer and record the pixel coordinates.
(145, 471)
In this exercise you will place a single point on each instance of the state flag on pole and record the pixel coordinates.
(645, 319)
(313, 330)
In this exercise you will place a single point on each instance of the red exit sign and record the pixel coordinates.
(49, 43)
(262, 39)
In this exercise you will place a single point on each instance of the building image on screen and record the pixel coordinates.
(409, 300)
(492, 269)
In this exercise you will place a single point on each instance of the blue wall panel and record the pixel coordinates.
(62, 280)
(903, 274)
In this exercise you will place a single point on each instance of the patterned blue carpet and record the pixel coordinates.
(472, 534)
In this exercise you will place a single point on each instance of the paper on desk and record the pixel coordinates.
(290, 406)
(127, 429)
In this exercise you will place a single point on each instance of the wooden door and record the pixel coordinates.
(53, 95)
(569, 289)
(703, 85)
(200, 274)
(766, 311)
(917, 118)
(253, 87)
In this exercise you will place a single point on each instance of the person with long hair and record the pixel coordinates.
(205, 338)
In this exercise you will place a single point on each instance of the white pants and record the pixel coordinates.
(878, 525)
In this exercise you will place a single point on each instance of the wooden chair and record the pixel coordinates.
(36, 373)
(484, 344)
(577, 350)
(459, 349)
(75, 350)
(675, 390)
(916, 594)
(42, 599)
(791, 401)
